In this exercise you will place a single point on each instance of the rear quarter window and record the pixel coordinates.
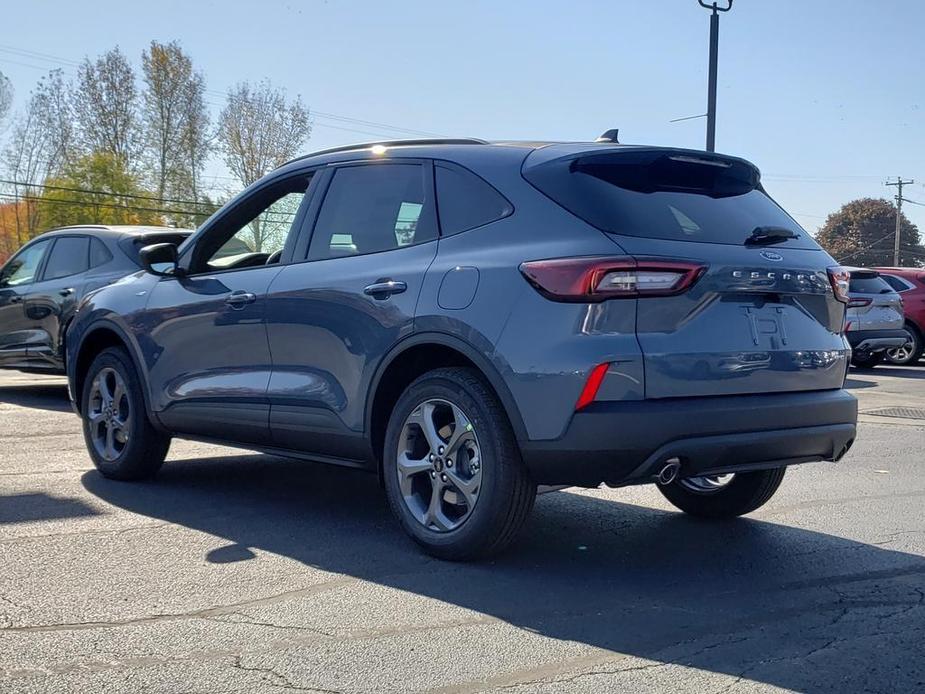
(465, 201)
(897, 283)
(99, 254)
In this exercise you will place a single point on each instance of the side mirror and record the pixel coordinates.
(160, 259)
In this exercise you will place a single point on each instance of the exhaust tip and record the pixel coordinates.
(843, 451)
(669, 472)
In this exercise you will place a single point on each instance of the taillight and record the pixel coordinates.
(596, 278)
(840, 278)
(856, 303)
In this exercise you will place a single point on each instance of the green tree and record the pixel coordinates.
(862, 232)
(96, 189)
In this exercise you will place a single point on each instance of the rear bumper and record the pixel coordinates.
(622, 443)
(876, 340)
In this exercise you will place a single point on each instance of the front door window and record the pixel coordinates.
(255, 233)
(23, 267)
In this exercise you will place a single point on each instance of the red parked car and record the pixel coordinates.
(910, 283)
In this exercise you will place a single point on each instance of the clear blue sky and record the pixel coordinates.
(826, 96)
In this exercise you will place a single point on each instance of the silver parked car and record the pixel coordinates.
(874, 322)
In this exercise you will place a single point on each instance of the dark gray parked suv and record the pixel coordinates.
(41, 285)
(470, 320)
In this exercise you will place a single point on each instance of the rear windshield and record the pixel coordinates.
(868, 283)
(665, 195)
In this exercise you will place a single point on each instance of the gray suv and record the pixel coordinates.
(471, 320)
(874, 322)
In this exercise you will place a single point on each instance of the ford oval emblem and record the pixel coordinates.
(772, 256)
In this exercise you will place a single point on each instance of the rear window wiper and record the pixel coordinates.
(762, 236)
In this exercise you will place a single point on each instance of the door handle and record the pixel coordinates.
(66, 292)
(15, 299)
(383, 289)
(238, 300)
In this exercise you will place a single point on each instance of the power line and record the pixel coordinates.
(286, 216)
(866, 248)
(17, 62)
(374, 124)
(29, 53)
(812, 178)
(85, 203)
(59, 60)
(90, 191)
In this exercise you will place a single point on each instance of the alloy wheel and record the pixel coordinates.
(439, 465)
(709, 484)
(109, 414)
(903, 355)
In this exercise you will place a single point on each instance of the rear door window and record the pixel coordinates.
(69, 256)
(373, 208)
(665, 195)
(465, 201)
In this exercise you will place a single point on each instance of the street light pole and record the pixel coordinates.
(714, 57)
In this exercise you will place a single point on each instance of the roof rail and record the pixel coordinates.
(395, 143)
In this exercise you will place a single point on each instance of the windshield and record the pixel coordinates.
(665, 195)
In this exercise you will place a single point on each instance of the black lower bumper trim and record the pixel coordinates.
(628, 442)
(881, 339)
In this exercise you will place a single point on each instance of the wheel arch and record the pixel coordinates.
(101, 335)
(416, 355)
(910, 323)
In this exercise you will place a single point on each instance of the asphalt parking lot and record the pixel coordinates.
(236, 572)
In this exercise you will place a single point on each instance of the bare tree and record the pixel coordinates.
(259, 130)
(105, 105)
(6, 95)
(39, 147)
(176, 121)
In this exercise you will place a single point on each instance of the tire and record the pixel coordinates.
(910, 355)
(744, 493)
(135, 450)
(485, 494)
(867, 360)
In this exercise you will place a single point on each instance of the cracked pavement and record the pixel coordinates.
(236, 572)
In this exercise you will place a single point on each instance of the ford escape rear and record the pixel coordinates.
(471, 320)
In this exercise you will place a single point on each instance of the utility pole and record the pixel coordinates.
(714, 57)
(899, 183)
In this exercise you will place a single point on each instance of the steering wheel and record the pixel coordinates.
(274, 257)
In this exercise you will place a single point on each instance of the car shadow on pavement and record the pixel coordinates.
(41, 396)
(38, 506)
(855, 384)
(914, 372)
(751, 598)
